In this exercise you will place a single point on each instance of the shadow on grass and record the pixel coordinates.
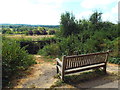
(88, 79)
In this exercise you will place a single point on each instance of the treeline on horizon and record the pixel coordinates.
(26, 25)
(29, 29)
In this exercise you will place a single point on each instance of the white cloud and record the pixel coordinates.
(84, 15)
(46, 11)
(115, 9)
(23, 11)
(95, 3)
(111, 15)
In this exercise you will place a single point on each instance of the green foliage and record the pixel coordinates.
(70, 46)
(52, 50)
(85, 36)
(114, 60)
(52, 32)
(68, 24)
(95, 19)
(14, 59)
(28, 29)
(114, 46)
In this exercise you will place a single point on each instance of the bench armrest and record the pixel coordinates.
(58, 61)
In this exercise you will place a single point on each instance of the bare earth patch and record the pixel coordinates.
(42, 75)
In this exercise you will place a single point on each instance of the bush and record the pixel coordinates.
(50, 50)
(25, 32)
(30, 33)
(64, 46)
(114, 60)
(44, 32)
(71, 46)
(14, 59)
(51, 32)
(37, 32)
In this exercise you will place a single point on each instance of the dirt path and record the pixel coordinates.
(113, 68)
(42, 75)
(44, 79)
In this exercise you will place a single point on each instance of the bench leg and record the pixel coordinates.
(62, 76)
(104, 69)
(57, 69)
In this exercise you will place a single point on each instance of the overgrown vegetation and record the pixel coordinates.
(14, 59)
(85, 36)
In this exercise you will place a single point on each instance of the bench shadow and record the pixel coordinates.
(90, 79)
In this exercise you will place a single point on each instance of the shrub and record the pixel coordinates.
(51, 32)
(90, 46)
(30, 33)
(14, 59)
(50, 50)
(37, 32)
(44, 32)
(70, 45)
(114, 60)
(25, 32)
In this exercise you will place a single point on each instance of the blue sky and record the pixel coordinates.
(48, 12)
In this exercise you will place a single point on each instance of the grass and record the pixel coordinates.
(49, 59)
(58, 83)
(22, 36)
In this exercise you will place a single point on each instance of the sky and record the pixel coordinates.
(48, 12)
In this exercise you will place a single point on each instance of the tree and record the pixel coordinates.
(44, 32)
(51, 32)
(37, 32)
(30, 32)
(68, 24)
(95, 19)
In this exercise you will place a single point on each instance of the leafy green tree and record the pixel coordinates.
(84, 25)
(52, 32)
(30, 32)
(37, 32)
(68, 24)
(95, 19)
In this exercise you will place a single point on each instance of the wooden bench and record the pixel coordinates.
(77, 63)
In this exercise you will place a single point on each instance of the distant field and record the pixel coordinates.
(34, 37)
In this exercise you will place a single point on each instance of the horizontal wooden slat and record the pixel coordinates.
(83, 69)
(86, 54)
(83, 66)
(79, 61)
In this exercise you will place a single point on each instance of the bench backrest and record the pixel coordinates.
(84, 60)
